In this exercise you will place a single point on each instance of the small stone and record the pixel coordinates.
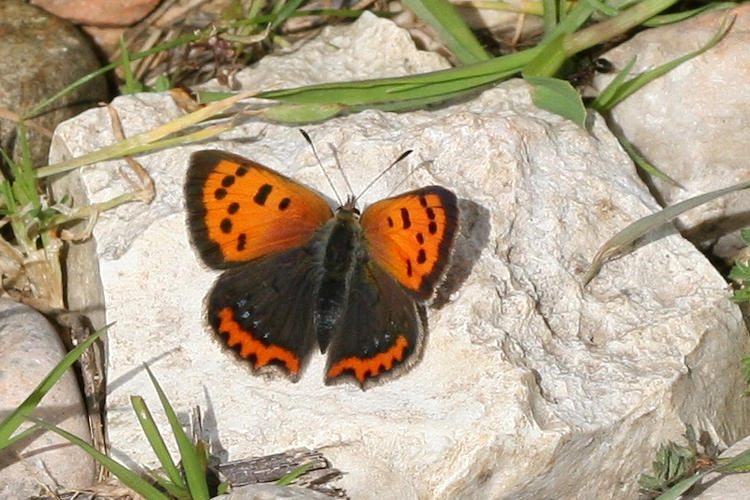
(40, 55)
(109, 13)
(30, 350)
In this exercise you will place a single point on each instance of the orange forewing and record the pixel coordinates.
(239, 210)
(411, 236)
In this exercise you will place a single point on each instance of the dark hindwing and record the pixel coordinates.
(380, 331)
(263, 310)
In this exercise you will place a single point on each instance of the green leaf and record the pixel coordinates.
(745, 235)
(10, 423)
(741, 295)
(740, 272)
(196, 476)
(559, 97)
(128, 478)
(162, 84)
(450, 27)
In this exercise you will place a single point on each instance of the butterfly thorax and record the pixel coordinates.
(342, 246)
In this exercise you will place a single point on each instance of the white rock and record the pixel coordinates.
(30, 349)
(694, 122)
(530, 386)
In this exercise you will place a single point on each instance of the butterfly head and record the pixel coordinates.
(349, 210)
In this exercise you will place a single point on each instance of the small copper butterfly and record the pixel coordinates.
(298, 272)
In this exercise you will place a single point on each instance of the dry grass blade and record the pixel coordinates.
(149, 140)
(642, 226)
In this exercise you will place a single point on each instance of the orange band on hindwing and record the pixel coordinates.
(250, 346)
(371, 367)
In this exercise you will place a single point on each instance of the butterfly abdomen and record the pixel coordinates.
(343, 250)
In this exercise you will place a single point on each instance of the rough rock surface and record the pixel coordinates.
(694, 122)
(530, 386)
(30, 349)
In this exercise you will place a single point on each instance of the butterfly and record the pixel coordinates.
(299, 274)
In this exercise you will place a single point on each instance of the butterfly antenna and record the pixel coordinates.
(328, 177)
(406, 177)
(381, 174)
(341, 169)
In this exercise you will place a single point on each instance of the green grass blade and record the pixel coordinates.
(573, 20)
(285, 12)
(24, 178)
(559, 97)
(131, 84)
(387, 90)
(22, 435)
(128, 477)
(606, 30)
(450, 27)
(606, 97)
(452, 82)
(191, 463)
(739, 463)
(681, 487)
(642, 226)
(602, 7)
(549, 60)
(645, 165)
(631, 86)
(550, 16)
(10, 423)
(687, 14)
(290, 476)
(156, 441)
(302, 113)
